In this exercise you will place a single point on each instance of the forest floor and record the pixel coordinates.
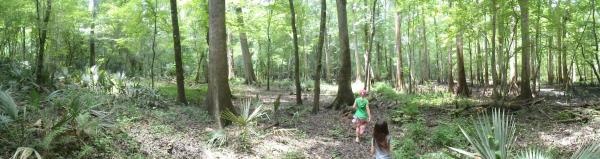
(183, 131)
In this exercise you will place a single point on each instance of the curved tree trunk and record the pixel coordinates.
(344, 95)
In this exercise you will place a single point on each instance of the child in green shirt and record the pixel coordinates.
(362, 115)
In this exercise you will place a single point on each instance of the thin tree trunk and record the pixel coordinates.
(449, 67)
(92, 35)
(154, 11)
(425, 76)
(318, 70)
(296, 56)
(370, 38)
(269, 58)
(399, 69)
(178, 61)
(230, 59)
(344, 95)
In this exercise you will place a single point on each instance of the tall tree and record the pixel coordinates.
(250, 76)
(318, 70)
(399, 68)
(269, 58)
(92, 34)
(495, 78)
(296, 56)
(525, 70)
(42, 31)
(370, 38)
(344, 95)
(219, 93)
(177, 47)
(463, 89)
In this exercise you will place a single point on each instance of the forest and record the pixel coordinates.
(292, 79)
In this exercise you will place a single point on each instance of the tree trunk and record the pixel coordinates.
(370, 38)
(154, 14)
(550, 62)
(449, 67)
(42, 30)
(525, 70)
(296, 56)
(318, 70)
(249, 70)
(231, 63)
(269, 58)
(219, 94)
(471, 64)
(92, 35)
(495, 79)
(344, 95)
(178, 61)
(356, 57)
(463, 89)
(425, 71)
(399, 69)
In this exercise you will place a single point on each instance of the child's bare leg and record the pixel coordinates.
(362, 129)
(357, 132)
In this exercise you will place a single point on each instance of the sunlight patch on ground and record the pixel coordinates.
(569, 138)
(357, 86)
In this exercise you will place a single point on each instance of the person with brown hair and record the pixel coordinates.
(380, 145)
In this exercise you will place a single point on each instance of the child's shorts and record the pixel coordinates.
(358, 121)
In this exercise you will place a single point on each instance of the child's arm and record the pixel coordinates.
(354, 105)
(369, 111)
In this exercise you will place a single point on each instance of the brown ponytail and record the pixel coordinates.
(380, 133)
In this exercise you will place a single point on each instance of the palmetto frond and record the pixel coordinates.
(7, 105)
(533, 154)
(493, 137)
(246, 117)
(589, 151)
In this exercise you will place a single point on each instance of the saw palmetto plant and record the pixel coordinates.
(494, 137)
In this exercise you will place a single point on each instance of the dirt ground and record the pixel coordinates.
(330, 135)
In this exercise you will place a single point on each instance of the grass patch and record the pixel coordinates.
(193, 95)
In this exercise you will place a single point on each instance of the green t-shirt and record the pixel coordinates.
(361, 108)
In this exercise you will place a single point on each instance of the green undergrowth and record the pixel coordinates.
(423, 141)
(194, 95)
